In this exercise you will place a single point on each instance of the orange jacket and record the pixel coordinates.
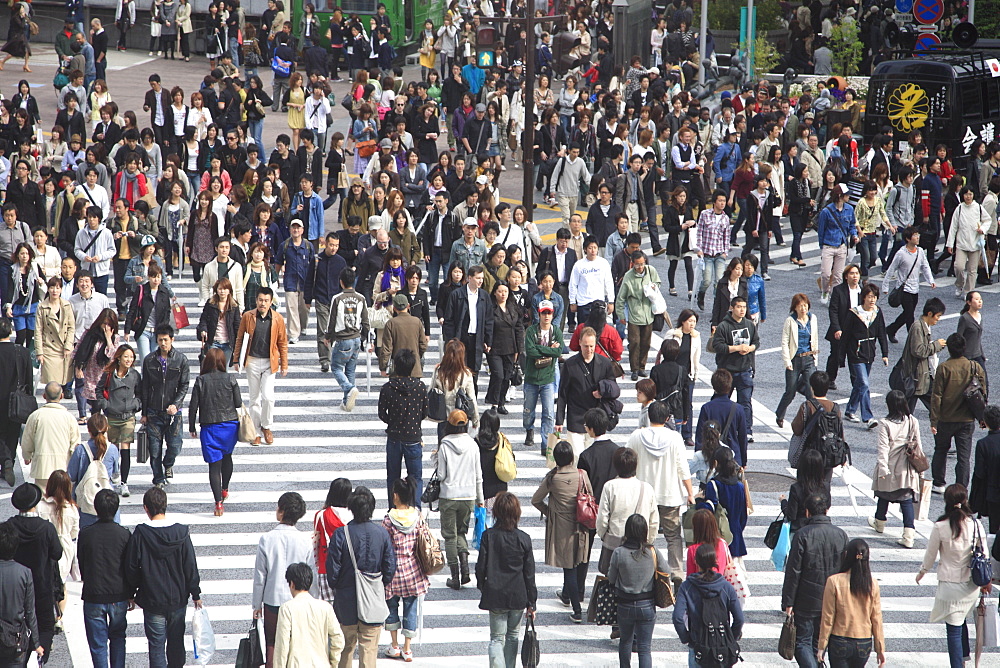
(279, 340)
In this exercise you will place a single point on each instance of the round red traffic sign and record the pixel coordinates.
(928, 12)
(927, 41)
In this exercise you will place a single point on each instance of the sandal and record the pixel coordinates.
(673, 292)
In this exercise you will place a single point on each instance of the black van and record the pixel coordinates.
(953, 98)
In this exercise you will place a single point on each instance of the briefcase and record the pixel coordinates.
(141, 445)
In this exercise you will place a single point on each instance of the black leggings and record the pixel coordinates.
(196, 269)
(24, 337)
(126, 462)
(688, 269)
(219, 475)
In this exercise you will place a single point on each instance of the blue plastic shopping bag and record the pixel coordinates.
(480, 526)
(780, 552)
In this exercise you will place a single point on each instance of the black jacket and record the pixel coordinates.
(721, 305)
(986, 475)
(758, 218)
(101, 553)
(420, 308)
(29, 200)
(209, 322)
(427, 148)
(596, 461)
(38, 551)
(216, 396)
(599, 225)
(672, 221)
(160, 567)
(840, 306)
(402, 402)
(15, 372)
(313, 168)
(492, 484)
(505, 570)
(369, 264)
(814, 556)
(17, 598)
(323, 277)
(860, 340)
(158, 390)
(508, 331)
(576, 387)
(428, 233)
(547, 262)
(458, 320)
(141, 307)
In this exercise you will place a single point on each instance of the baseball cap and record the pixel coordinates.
(456, 418)
(470, 222)
(385, 143)
(147, 240)
(296, 221)
(481, 108)
(809, 114)
(546, 306)
(481, 179)
(400, 302)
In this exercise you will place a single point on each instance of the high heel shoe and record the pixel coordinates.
(219, 509)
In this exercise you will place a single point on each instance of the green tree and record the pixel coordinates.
(765, 56)
(846, 45)
(726, 15)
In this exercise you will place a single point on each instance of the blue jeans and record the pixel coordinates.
(806, 632)
(636, 618)
(160, 426)
(413, 453)
(532, 393)
(868, 247)
(145, 343)
(257, 132)
(343, 361)
(905, 507)
(845, 652)
(226, 348)
(409, 624)
(435, 266)
(504, 627)
(165, 632)
(958, 644)
(101, 284)
(860, 395)
(714, 266)
(105, 622)
(234, 51)
(743, 384)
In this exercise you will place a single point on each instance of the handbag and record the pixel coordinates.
(141, 445)
(464, 403)
(342, 181)
(603, 608)
(979, 563)
(379, 316)
(21, 404)
(900, 379)
(517, 376)
(432, 491)
(586, 505)
(663, 590)
(436, 409)
(428, 551)
(786, 641)
(914, 454)
(247, 431)
(736, 578)
(780, 552)
(896, 294)
(774, 531)
(372, 608)
(975, 397)
(530, 655)
(550, 445)
(180, 316)
(616, 366)
(366, 148)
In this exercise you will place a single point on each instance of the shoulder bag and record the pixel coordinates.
(896, 294)
(586, 505)
(975, 397)
(914, 454)
(372, 608)
(432, 491)
(722, 516)
(437, 411)
(616, 367)
(979, 563)
(21, 404)
(663, 591)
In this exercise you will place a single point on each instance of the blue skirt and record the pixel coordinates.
(218, 440)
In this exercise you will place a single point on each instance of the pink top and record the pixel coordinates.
(721, 557)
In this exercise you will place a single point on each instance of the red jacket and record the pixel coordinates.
(609, 340)
(131, 193)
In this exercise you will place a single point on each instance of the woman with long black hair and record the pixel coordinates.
(217, 395)
(21, 299)
(678, 219)
(865, 328)
(118, 400)
(731, 285)
(800, 206)
(851, 624)
(507, 348)
(93, 353)
(333, 515)
(631, 571)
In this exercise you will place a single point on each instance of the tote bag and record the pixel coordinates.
(372, 608)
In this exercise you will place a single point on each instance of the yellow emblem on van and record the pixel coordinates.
(908, 108)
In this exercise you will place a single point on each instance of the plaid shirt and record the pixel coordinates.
(410, 579)
(713, 233)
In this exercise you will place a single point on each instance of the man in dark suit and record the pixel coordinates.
(587, 381)
(157, 103)
(471, 321)
(438, 231)
(601, 465)
(15, 374)
(559, 260)
(843, 298)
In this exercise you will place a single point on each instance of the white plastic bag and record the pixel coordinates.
(203, 637)
(656, 301)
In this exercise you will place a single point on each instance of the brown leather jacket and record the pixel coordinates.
(279, 340)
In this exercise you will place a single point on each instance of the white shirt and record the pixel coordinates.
(561, 265)
(855, 295)
(591, 281)
(473, 316)
(180, 120)
(97, 197)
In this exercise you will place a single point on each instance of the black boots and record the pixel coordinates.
(701, 301)
(454, 581)
(463, 560)
(529, 438)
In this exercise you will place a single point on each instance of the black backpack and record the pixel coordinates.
(713, 642)
(825, 432)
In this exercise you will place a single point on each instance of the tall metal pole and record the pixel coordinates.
(972, 12)
(528, 139)
(703, 40)
(751, 35)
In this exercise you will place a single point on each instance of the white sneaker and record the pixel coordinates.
(123, 490)
(825, 298)
(352, 399)
(766, 277)
(938, 489)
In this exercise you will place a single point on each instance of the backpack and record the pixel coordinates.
(94, 479)
(713, 642)
(824, 432)
(504, 464)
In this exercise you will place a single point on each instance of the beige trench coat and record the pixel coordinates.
(56, 331)
(892, 469)
(565, 538)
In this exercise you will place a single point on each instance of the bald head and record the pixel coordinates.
(53, 392)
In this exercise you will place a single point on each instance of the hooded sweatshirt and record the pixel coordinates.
(691, 593)
(401, 405)
(458, 467)
(734, 333)
(160, 566)
(662, 463)
(38, 550)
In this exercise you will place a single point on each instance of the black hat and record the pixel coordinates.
(26, 496)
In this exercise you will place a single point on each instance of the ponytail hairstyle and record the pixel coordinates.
(59, 488)
(405, 489)
(856, 562)
(97, 425)
(956, 508)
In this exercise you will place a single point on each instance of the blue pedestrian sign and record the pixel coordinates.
(485, 59)
(904, 6)
(928, 12)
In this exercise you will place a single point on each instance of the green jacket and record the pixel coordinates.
(640, 312)
(947, 396)
(534, 351)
